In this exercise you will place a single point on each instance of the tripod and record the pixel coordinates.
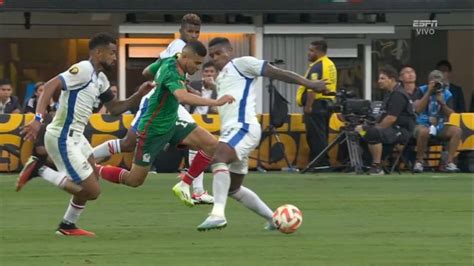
(351, 138)
(276, 121)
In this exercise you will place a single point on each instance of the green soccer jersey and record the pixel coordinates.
(162, 111)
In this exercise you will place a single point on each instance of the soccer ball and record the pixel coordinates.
(287, 218)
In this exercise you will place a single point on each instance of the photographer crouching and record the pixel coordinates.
(433, 103)
(397, 122)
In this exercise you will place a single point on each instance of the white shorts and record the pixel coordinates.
(243, 140)
(183, 114)
(70, 155)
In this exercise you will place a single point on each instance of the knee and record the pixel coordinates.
(136, 183)
(422, 132)
(234, 188)
(210, 146)
(218, 161)
(219, 166)
(233, 192)
(93, 195)
(41, 151)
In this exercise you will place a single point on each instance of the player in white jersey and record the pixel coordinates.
(240, 130)
(189, 31)
(80, 86)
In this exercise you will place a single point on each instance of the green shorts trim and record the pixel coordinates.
(150, 145)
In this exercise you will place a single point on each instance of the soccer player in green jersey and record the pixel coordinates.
(189, 31)
(160, 124)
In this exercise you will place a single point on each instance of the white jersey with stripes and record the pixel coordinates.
(81, 88)
(238, 78)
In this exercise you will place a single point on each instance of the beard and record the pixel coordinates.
(106, 67)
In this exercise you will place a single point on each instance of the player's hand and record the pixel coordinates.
(225, 99)
(146, 87)
(308, 109)
(359, 129)
(30, 131)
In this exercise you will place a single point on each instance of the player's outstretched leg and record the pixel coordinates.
(86, 188)
(199, 196)
(116, 146)
(36, 167)
(201, 140)
(199, 163)
(220, 188)
(246, 196)
(133, 178)
(29, 171)
(253, 202)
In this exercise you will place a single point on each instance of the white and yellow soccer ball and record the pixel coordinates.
(287, 218)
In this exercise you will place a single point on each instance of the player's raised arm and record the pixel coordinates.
(292, 77)
(117, 107)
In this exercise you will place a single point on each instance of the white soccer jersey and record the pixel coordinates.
(237, 78)
(173, 48)
(81, 87)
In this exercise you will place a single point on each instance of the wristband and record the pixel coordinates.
(39, 117)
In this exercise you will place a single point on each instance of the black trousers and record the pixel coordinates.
(317, 130)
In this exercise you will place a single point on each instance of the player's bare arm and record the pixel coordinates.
(185, 97)
(51, 87)
(294, 78)
(117, 107)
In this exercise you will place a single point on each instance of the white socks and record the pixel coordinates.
(73, 212)
(107, 149)
(251, 200)
(220, 188)
(54, 177)
(198, 186)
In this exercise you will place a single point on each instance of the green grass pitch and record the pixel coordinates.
(348, 220)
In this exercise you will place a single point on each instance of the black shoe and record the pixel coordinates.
(376, 170)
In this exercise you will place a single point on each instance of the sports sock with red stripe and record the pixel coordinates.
(73, 212)
(111, 173)
(107, 149)
(199, 164)
(220, 188)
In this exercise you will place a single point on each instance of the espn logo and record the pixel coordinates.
(425, 27)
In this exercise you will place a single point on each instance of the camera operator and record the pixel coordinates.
(316, 105)
(396, 124)
(434, 106)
